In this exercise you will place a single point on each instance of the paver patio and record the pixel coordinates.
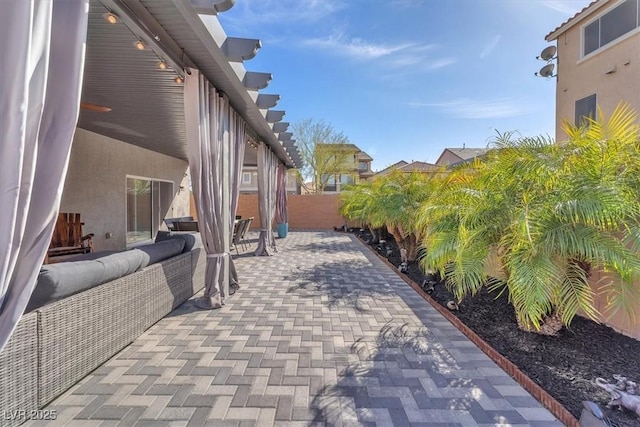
(322, 333)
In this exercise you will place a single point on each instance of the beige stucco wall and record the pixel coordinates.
(95, 185)
(580, 77)
(619, 321)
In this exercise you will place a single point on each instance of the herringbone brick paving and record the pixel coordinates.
(322, 333)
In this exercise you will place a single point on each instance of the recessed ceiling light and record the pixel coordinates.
(178, 79)
(111, 18)
(162, 65)
(139, 45)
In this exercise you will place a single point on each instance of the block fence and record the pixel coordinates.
(306, 211)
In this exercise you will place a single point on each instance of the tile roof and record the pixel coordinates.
(418, 166)
(556, 32)
(352, 147)
(468, 153)
(388, 169)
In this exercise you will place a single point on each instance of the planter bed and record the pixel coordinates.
(564, 366)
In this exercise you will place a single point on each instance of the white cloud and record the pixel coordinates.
(278, 12)
(407, 56)
(337, 43)
(473, 109)
(566, 7)
(440, 63)
(490, 47)
(405, 4)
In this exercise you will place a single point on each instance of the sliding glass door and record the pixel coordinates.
(148, 202)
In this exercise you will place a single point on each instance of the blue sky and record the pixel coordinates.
(404, 79)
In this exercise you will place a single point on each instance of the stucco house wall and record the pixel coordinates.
(612, 72)
(95, 185)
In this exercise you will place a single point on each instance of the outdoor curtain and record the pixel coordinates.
(236, 159)
(41, 63)
(282, 215)
(267, 169)
(215, 139)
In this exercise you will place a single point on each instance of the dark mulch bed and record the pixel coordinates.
(565, 366)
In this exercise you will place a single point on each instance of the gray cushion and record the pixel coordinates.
(120, 264)
(160, 251)
(58, 281)
(91, 256)
(191, 240)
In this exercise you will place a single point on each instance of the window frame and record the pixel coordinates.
(619, 39)
(244, 175)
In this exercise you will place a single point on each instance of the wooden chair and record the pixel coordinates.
(67, 237)
(171, 222)
(245, 230)
(238, 227)
(186, 226)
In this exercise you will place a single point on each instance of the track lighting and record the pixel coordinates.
(111, 18)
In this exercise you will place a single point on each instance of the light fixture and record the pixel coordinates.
(162, 65)
(139, 45)
(178, 80)
(111, 18)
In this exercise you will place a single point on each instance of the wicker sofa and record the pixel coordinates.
(56, 345)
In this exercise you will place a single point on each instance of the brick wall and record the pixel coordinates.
(306, 211)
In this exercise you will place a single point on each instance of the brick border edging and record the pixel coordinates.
(559, 411)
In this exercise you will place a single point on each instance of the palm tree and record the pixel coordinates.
(392, 202)
(356, 204)
(396, 205)
(539, 216)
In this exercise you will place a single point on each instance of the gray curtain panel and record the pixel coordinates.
(236, 158)
(267, 169)
(42, 51)
(205, 116)
(282, 215)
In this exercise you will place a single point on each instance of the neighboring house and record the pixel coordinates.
(403, 166)
(249, 181)
(454, 156)
(391, 168)
(597, 53)
(357, 169)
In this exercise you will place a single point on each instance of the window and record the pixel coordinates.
(362, 166)
(246, 177)
(347, 180)
(585, 107)
(619, 21)
(148, 202)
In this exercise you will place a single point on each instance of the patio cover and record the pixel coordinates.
(42, 59)
(267, 167)
(215, 138)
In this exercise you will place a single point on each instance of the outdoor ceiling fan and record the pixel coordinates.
(94, 107)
